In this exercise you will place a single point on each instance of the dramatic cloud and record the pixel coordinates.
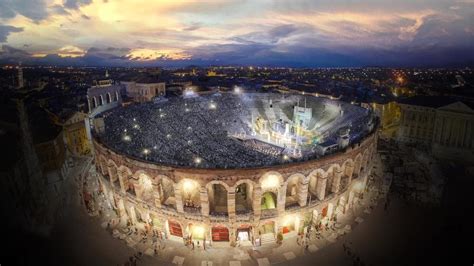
(295, 33)
(32, 9)
(5, 30)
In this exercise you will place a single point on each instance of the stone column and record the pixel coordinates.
(156, 197)
(178, 199)
(281, 199)
(256, 200)
(336, 181)
(204, 201)
(303, 192)
(133, 215)
(231, 205)
(349, 171)
(321, 188)
(110, 171)
(121, 181)
(350, 201)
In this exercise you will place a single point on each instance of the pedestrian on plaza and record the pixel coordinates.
(192, 245)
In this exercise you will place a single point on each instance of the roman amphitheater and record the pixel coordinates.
(229, 168)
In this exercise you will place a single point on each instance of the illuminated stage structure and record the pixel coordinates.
(227, 168)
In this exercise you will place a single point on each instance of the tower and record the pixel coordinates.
(106, 73)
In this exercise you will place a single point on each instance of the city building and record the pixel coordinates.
(75, 134)
(443, 123)
(144, 92)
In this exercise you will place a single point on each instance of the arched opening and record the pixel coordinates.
(292, 190)
(244, 235)
(243, 198)
(190, 195)
(217, 194)
(95, 101)
(266, 232)
(146, 187)
(166, 190)
(101, 100)
(220, 233)
(131, 188)
(269, 201)
(108, 98)
(116, 96)
(174, 228)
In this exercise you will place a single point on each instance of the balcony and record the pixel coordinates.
(269, 213)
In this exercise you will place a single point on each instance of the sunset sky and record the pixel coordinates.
(253, 32)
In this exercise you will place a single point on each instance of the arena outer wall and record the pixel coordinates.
(306, 192)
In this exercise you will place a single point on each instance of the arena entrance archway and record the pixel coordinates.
(220, 233)
(175, 229)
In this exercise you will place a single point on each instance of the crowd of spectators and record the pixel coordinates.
(193, 132)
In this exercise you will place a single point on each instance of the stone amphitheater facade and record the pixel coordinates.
(174, 200)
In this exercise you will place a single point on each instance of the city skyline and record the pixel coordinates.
(266, 33)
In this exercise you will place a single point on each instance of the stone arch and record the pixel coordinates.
(166, 191)
(101, 98)
(144, 187)
(116, 96)
(296, 188)
(95, 101)
(189, 190)
(271, 181)
(244, 194)
(217, 192)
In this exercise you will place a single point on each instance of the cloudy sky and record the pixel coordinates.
(245, 32)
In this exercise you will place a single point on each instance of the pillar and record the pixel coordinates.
(281, 199)
(178, 198)
(204, 201)
(256, 200)
(231, 204)
(303, 192)
(133, 215)
(156, 197)
(321, 187)
(122, 181)
(349, 171)
(111, 176)
(350, 201)
(336, 181)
